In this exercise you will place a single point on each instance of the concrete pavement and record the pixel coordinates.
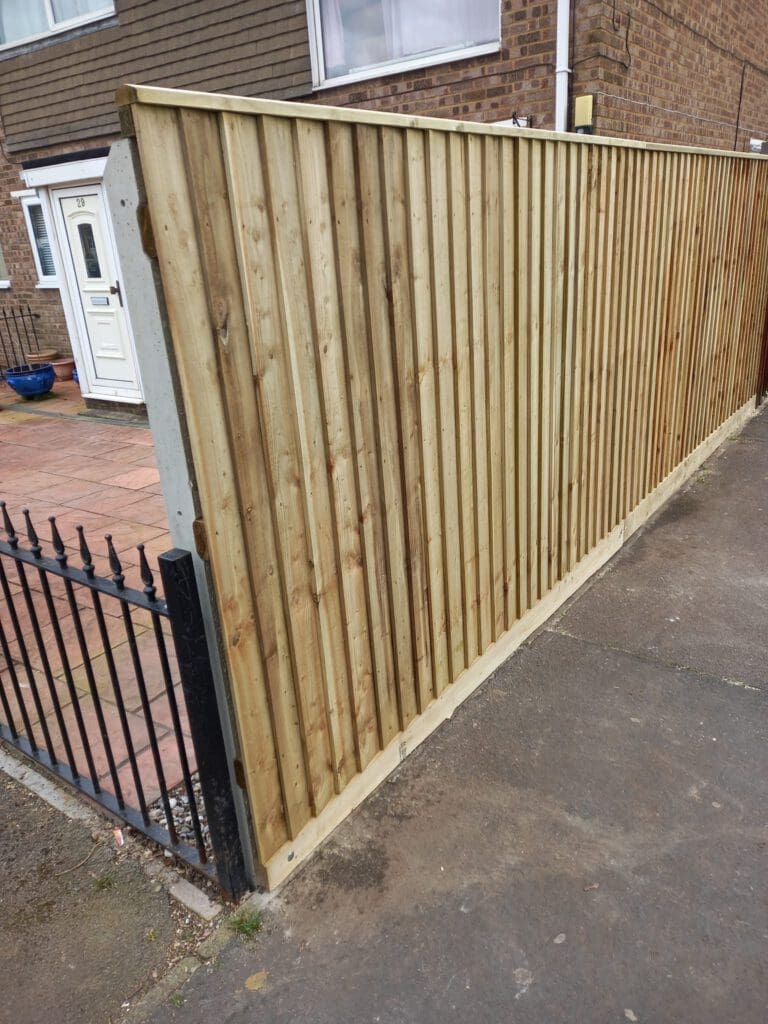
(84, 925)
(585, 841)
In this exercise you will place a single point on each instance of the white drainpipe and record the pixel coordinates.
(562, 71)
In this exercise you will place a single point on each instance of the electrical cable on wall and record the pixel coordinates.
(672, 110)
(616, 19)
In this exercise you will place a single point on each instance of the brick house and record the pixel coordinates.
(662, 71)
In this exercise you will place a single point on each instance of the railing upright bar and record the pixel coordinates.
(4, 333)
(70, 682)
(36, 552)
(7, 710)
(94, 691)
(181, 595)
(151, 732)
(37, 632)
(4, 646)
(150, 590)
(27, 664)
(179, 734)
(32, 317)
(120, 704)
(26, 332)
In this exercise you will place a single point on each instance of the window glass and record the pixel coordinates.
(90, 256)
(26, 19)
(41, 240)
(65, 10)
(359, 34)
(20, 19)
(3, 268)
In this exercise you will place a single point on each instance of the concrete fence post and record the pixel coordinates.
(142, 295)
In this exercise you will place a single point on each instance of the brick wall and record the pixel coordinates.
(519, 79)
(671, 71)
(667, 71)
(45, 302)
(63, 88)
(664, 70)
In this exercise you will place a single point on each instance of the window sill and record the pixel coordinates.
(5, 284)
(47, 284)
(73, 27)
(414, 64)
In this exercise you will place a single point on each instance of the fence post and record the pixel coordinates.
(762, 371)
(144, 303)
(188, 630)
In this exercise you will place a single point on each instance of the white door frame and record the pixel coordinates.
(73, 178)
(113, 391)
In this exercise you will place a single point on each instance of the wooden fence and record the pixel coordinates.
(433, 373)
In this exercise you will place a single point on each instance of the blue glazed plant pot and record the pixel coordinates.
(31, 381)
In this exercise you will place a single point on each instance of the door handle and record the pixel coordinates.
(115, 290)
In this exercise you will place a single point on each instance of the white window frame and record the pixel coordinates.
(43, 280)
(5, 284)
(320, 81)
(62, 26)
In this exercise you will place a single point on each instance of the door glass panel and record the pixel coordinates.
(88, 243)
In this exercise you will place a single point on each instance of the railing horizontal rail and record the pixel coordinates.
(79, 576)
(187, 852)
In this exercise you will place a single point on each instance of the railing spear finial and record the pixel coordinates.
(146, 574)
(85, 554)
(114, 563)
(13, 540)
(34, 541)
(58, 543)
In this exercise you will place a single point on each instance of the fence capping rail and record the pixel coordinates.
(180, 98)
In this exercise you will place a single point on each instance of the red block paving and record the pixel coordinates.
(102, 475)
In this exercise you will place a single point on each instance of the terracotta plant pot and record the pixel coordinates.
(63, 368)
(45, 355)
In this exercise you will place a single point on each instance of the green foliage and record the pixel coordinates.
(246, 922)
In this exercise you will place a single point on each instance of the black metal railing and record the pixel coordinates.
(111, 688)
(18, 336)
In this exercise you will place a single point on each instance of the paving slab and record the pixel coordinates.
(584, 842)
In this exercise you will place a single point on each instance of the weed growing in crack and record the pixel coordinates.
(246, 922)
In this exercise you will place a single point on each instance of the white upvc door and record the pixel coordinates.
(106, 359)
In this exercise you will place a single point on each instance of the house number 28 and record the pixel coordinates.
(80, 201)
